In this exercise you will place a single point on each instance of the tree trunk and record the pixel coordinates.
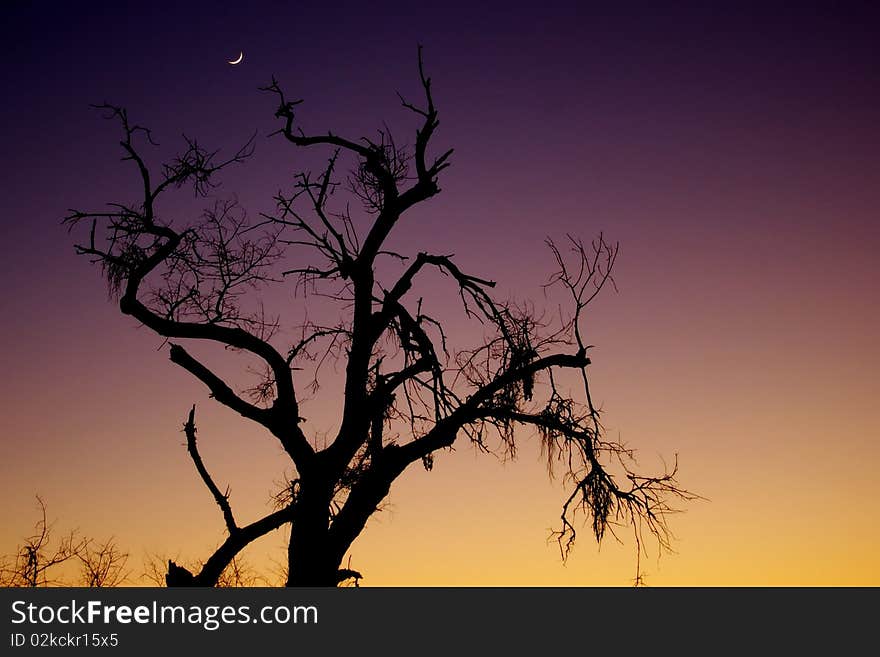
(310, 559)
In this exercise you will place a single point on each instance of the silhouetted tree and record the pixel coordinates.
(36, 560)
(40, 559)
(102, 564)
(407, 392)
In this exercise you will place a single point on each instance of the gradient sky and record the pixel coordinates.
(732, 151)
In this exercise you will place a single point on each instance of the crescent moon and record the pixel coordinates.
(237, 61)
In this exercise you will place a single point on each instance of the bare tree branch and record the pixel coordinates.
(222, 499)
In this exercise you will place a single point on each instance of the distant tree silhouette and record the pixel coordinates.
(408, 392)
(102, 564)
(39, 560)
